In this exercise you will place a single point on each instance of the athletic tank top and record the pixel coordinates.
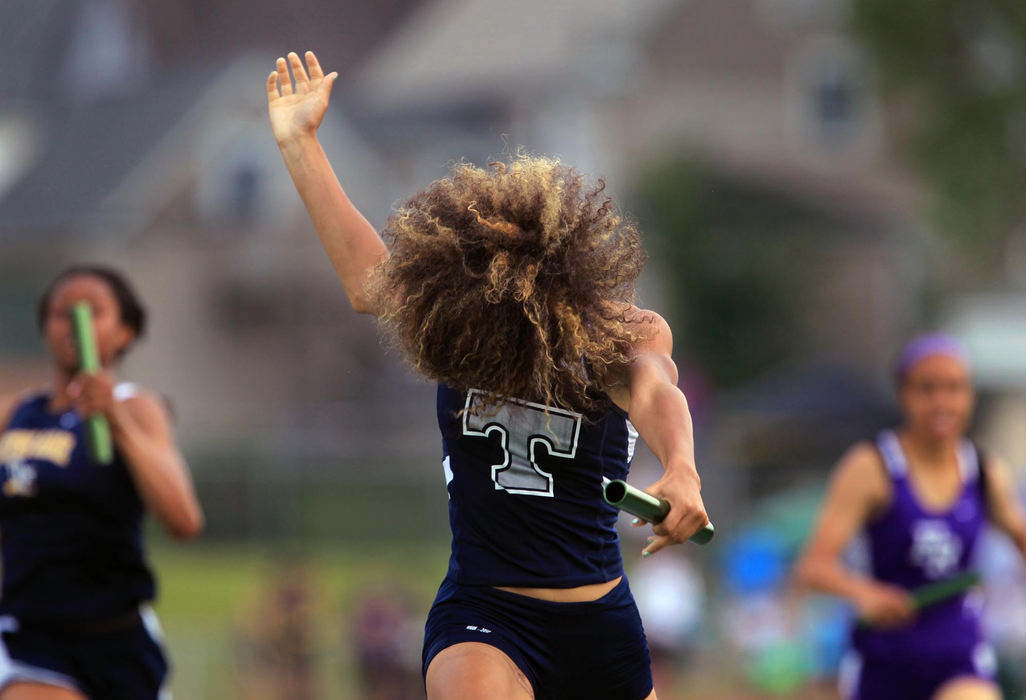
(525, 491)
(70, 530)
(912, 546)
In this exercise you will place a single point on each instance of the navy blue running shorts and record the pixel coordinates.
(126, 663)
(595, 650)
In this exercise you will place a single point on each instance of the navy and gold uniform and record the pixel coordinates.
(74, 568)
(526, 510)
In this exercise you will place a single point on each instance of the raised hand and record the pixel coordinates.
(296, 109)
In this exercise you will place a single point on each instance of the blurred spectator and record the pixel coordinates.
(671, 597)
(1004, 616)
(274, 642)
(824, 633)
(386, 641)
(759, 616)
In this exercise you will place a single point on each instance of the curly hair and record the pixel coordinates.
(515, 280)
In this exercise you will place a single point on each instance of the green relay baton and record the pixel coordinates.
(101, 449)
(933, 593)
(619, 494)
(937, 592)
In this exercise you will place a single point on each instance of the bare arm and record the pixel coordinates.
(142, 430)
(7, 404)
(143, 434)
(858, 488)
(352, 244)
(659, 411)
(1006, 511)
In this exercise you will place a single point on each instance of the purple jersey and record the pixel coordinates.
(911, 545)
(525, 491)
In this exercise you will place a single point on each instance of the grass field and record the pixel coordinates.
(208, 592)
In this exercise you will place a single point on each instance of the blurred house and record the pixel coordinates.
(770, 92)
(152, 152)
(171, 174)
(773, 94)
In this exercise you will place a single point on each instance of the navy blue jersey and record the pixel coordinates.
(70, 530)
(525, 491)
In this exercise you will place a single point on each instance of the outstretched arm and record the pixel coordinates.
(659, 411)
(296, 111)
(858, 488)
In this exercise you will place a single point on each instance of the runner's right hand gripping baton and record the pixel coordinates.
(101, 449)
(619, 494)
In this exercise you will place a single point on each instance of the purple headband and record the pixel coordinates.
(925, 346)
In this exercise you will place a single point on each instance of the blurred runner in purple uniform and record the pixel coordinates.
(920, 495)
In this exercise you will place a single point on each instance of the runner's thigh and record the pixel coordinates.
(968, 689)
(474, 671)
(38, 691)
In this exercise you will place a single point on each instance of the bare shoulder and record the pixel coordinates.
(996, 463)
(654, 334)
(862, 460)
(651, 362)
(147, 406)
(8, 402)
(861, 474)
(999, 474)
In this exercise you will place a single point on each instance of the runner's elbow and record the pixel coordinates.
(362, 301)
(362, 306)
(805, 573)
(186, 528)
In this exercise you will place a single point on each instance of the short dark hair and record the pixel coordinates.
(133, 314)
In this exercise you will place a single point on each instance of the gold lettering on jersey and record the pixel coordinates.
(50, 445)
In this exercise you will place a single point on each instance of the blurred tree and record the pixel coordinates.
(734, 259)
(954, 72)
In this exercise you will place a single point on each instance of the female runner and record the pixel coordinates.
(921, 495)
(513, 288)
(73, 613)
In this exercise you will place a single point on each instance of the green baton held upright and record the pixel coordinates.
(101, 448)
(619, 494)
